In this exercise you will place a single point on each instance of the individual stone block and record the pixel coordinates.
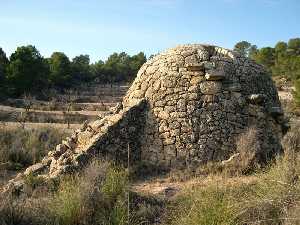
(214, 75)
(196, 80)
(34, 169)
(210, 87)
(69, 143)
(117, 108)
(256, 99)
(191, 60)
(194, 67)
(169, 141)
(232, 87)
(151, 69)
(276, 111)
(163, 127)
(163, 115)
(209, 65)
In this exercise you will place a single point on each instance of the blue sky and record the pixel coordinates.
(99, 28)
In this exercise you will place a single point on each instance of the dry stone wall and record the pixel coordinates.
(201, 99)
(187, 106)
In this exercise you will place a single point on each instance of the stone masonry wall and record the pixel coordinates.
(201, 99)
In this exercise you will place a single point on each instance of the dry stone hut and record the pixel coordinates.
(187, 106)
(200, 98)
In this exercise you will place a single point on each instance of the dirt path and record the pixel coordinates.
(13, 109)
(167, 188)
(13, 125)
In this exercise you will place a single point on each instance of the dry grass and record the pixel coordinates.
(25, 147)
(99, 195)
(59, 112)
(246, 159)
(48, 117)
(272, 198)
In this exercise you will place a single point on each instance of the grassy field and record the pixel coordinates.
(23, 147)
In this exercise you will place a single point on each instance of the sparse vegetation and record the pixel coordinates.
(272, 196)
(25, 147)
(99, 195)
(270, 199)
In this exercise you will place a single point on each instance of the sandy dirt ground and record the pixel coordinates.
(39, 125)
(82, 112)
(165, 187)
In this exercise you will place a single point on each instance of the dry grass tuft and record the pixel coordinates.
(99, 195)
(25, 147)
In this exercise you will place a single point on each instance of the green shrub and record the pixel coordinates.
(115, 184)
(208, 206)
(98, 196)
(66, 206)
(33, 181)
(296, 93)
(114, 190)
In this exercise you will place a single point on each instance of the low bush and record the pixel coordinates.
(274, 198)
(26, 147)
(99, 195)
(66, 206)
(33, 181)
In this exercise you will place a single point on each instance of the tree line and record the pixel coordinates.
(281, 60)
(27, 71)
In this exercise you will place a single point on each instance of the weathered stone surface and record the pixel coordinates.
(174, 115)
(276, 111)
(36, 168)
(195, 66)
(117, 108)
(214, 75)
(210, 87)
(256, 98)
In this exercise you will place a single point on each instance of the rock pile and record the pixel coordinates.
(187, 106)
